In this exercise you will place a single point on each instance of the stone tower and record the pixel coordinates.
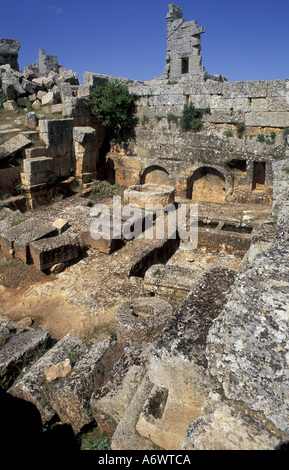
(184, 47)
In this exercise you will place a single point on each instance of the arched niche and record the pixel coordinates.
(155, 174)
(207, 184)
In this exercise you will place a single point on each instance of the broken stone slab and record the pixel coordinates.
(125, 436)
(8, 237)
(17, 351)
(14, 145)
(47, 252)
(229, 425)
(109, 404)
(22, 243)
(161, 279)
(32, 386)
(70, 397)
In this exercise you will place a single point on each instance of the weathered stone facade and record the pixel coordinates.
(183, 47)
(9, 52)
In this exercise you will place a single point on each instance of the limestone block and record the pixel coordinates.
(225, 116)
(167, 100)
(30, 387)
(70, 397)
(210, 87)
(103, 245)
(164, 280)
(200, 101)
(49, 99)
(21, 244)
(36, 104)
(35, 152)
(279, 88)
(228, 425)
(37, 170)
(249, 89)
(8, 237)
(56, 131)
(110, 403)
(19, 348)
(166, 110)
(14, 145)
(278, 103)
(10, 105)
(219, 102)
(267, 119)
(28, 86)
(47, 252)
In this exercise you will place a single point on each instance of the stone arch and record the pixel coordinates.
(207, 184)
(155, 174)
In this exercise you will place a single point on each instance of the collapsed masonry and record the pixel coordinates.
(183, 48)
(215, 377)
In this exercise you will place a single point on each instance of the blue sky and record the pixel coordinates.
(246, 40)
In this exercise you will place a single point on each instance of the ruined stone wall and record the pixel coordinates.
(160, 149)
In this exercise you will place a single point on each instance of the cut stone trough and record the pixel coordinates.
(143, 195)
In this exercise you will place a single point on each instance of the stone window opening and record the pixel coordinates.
(185, 65)
(238, 166)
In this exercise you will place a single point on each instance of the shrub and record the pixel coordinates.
(113, 105)
(191, 118)
(2, 97)
(173, 118)
(228, 133)
(260, 138)
(104, 188)
(240, 129)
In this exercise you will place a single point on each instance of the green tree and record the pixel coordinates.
(191, 119)
(114, 107)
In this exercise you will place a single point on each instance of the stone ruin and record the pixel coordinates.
(9, 52)
(208, 372)
(184, 47)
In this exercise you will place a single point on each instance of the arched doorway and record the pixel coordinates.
(207, 184)
(155, 175)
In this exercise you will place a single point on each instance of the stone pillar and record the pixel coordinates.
(85, 151)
